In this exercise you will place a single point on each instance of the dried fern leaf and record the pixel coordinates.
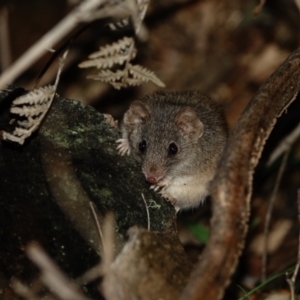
(108, 62)
(120, 46)
(123, 23)
(41, 95)
(143, 74)
(21, 132)
(32, 106)
(118, 85)
(104, 63)
(25, 123)
(13, 138)
(133, 82)
(108, 76)
(30, 111)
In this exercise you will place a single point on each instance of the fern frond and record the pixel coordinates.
(26, 123)
(30, 111)
(104, 63)
(118, 47)
(118, 85)
(33, 106)
(12, 137)
(133, 81)
(41, 95)
(123, 23)
(108, 76)
(143, 74)
(22, 131)
(18, 136)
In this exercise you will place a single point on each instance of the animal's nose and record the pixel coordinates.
(152, 179)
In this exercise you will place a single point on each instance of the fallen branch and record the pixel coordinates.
(232, 187)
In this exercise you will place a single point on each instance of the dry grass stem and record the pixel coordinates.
(147, 210)
(285, 144)
(269, 214)
(95, 216)
(291, 281)
(90, 275)
(60, 68)
(52, 277)
(23, 290)
(108, 241)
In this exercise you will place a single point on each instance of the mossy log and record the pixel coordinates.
(47, 184)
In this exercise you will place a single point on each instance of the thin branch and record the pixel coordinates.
(60, 68)
(257, 9)
(109, 239)
(52, 277)
(297, 2)
(291, 281)
(90, 275)
(97, 224)
(23, 290)
(269, 214)
(85, 12)
(285, 144)
(147, 210)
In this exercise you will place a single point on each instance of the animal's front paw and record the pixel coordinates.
(155, 187)
(162, 190)
(123, 147)
(165, 194)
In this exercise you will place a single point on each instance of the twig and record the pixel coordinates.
(85, 12)
(148, 215)
(60, 68)
(285, 144)
(23, 290)
(5, 53)
(33, 292)
(97, 224)
(297, 2)
(109, 239)
(257, 9)
(52, 277)
(90, 275)
(269, 214)
(291, 281)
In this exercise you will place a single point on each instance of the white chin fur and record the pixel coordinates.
(186, 192)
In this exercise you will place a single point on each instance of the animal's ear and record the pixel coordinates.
(137, 113)
(189, 123)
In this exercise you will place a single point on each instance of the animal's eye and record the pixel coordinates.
(142, 146)
(173, 149)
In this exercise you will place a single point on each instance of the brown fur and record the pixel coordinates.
(195, 124)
